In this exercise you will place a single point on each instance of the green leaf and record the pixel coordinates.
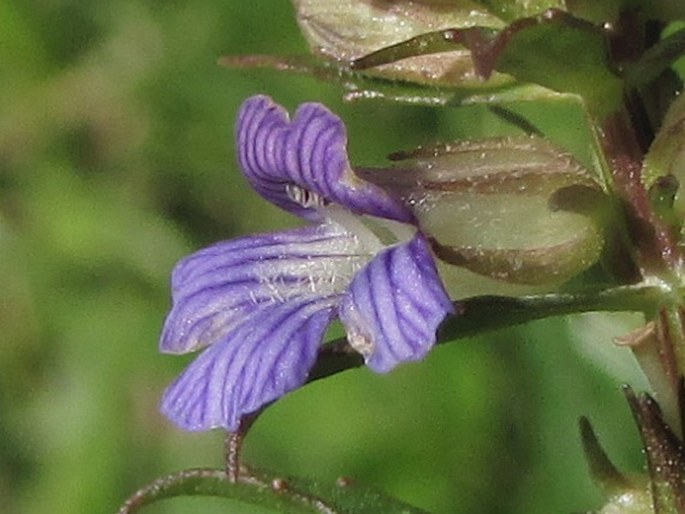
(477, 314)
(623, 496)
(287, 495)
(480, 314)
(602, 469)
(455, 97)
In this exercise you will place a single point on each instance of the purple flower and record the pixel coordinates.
(261, 304)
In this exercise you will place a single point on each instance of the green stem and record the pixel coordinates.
(250, 488)
(483, 313)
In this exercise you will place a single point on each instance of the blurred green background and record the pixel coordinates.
(116, 159)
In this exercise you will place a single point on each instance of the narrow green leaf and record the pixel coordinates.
(476, 315)
(455, 97)
(623, 496)
(602, 469)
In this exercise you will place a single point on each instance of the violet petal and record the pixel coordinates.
(215, 289)
(303, 163)
(263, 358)
(394, 305)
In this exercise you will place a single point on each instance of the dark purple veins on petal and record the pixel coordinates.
(214, 289)
(266, 356)
(394, 305)
(306, 158)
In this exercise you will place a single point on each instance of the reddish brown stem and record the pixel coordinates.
(654, 240)
(234, 444)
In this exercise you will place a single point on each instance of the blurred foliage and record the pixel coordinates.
(116, 159)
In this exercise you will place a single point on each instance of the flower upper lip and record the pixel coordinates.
(279, 156)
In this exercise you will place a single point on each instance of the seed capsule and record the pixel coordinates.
(514, 209)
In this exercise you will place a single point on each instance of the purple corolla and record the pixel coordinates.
(260, 305)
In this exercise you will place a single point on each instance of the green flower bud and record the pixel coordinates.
(515, 209)
(349, 29)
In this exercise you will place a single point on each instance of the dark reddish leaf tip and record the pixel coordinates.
(664, 452)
